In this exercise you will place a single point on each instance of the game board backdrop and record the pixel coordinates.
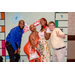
(8, 20)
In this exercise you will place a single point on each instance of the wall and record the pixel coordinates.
(71, 37)
(2, 35)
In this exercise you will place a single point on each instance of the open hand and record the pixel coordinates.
(57, 33)
(18, 50)
(15, 52)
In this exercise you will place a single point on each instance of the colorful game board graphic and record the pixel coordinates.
(2, 35)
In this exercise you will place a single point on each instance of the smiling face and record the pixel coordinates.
(51, 26)
(42, 22)
(21, 24)
(32, 28)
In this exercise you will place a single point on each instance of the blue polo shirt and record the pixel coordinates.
(15, 36)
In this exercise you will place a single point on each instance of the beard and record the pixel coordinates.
(21, 28)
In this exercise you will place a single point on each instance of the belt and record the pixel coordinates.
(60, 48)
(9, 43)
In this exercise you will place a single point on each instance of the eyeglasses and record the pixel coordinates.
(51, 25)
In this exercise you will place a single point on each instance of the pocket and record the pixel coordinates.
(63, 50)
(8, 45)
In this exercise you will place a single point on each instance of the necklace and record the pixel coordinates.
(44, 26)
(34, 32)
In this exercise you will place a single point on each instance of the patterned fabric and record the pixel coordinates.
(44, 50)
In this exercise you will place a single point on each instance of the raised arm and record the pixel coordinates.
(47, 34)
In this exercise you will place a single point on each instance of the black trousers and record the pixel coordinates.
(1, 59)
(13, 57)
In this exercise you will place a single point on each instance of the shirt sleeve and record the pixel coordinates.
(60, 32)
(12, 38)
(48, 30)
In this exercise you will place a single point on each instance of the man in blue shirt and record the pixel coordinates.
(13, 41)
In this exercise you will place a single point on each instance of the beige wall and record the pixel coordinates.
(71, 33)
(71, 50)
(71, 23)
